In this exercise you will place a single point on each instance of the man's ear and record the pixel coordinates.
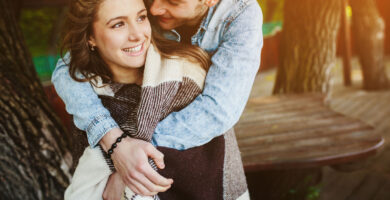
(211, 3)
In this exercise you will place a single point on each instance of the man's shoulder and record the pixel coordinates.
(229, 19)
(232, 9)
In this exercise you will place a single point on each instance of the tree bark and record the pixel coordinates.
(35, 156)
(308, 46)
(369, 30)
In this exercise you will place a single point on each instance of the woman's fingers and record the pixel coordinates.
(114, 187)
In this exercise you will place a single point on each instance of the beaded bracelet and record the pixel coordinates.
(115, 144)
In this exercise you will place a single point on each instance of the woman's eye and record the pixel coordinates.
(142, 18)
(117, 25)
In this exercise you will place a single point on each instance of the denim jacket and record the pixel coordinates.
(231, 33)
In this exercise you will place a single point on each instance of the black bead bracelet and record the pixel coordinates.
(115, 144)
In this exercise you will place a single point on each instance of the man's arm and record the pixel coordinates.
(82, 102)
(227, 87)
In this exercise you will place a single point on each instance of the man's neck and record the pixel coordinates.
(188, 30)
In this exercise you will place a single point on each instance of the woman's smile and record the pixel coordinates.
(134, 51)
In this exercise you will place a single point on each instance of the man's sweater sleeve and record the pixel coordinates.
(227, 88)
(82, 102)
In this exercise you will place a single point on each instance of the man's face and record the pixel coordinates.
(174, 13)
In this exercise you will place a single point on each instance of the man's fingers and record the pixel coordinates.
(134, 189)
(138, 188)
(156, 178)
(153, 188)
(135, 170)
(156, 155)
(149, 184)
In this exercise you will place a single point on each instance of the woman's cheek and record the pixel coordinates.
(115, 39)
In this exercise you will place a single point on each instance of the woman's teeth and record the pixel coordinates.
(134, 49)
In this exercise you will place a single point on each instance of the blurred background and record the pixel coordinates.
(338, 50)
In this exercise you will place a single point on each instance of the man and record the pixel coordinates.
(230, 31)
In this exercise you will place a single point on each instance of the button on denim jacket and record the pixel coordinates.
(231, 33)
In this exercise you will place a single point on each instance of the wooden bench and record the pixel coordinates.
(286, 140)
(300, 131)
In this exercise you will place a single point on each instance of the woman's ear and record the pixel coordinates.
(91, 43)
(211, 3)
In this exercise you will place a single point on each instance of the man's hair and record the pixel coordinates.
(78, 29)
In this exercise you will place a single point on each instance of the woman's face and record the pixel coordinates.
(121, 33)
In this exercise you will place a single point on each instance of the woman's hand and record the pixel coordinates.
(114, 187)
(130, 159)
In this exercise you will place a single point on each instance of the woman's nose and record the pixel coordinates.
(135, 33)
(157, 8)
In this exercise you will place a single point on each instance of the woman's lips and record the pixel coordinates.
(134, 51)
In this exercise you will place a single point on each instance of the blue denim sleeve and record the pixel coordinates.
(82, 102)
(227, 88)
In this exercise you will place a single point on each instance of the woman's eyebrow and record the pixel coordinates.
(124, 17)
(119, 17)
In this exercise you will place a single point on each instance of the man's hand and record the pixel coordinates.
(130, 159)
(114, 187)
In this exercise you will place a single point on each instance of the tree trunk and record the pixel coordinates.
(345, 44)
(308, 46)
(35, 156)
(368, 29)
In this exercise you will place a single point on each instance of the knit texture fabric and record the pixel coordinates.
(211, 171)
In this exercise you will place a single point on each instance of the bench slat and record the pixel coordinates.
(294, 131)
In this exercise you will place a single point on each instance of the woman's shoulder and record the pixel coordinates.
(191, 68)
(159, 69)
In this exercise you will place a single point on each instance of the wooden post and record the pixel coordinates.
(345, 32)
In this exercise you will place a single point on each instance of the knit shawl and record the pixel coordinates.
(211, 171)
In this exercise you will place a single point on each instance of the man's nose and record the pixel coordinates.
(157, 8)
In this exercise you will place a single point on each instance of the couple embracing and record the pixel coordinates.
(157, 87)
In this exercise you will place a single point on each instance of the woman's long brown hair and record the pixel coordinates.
(78, 29)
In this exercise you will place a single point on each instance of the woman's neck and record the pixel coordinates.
(128, 76)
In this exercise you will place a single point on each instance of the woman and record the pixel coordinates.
(141, 78)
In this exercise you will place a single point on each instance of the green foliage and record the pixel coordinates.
(272, 10)
(272, 15)
(306, 189)
(37, 27)
(313, 192)
(271, 28)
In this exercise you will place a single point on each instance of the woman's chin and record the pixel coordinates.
(134, 64)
